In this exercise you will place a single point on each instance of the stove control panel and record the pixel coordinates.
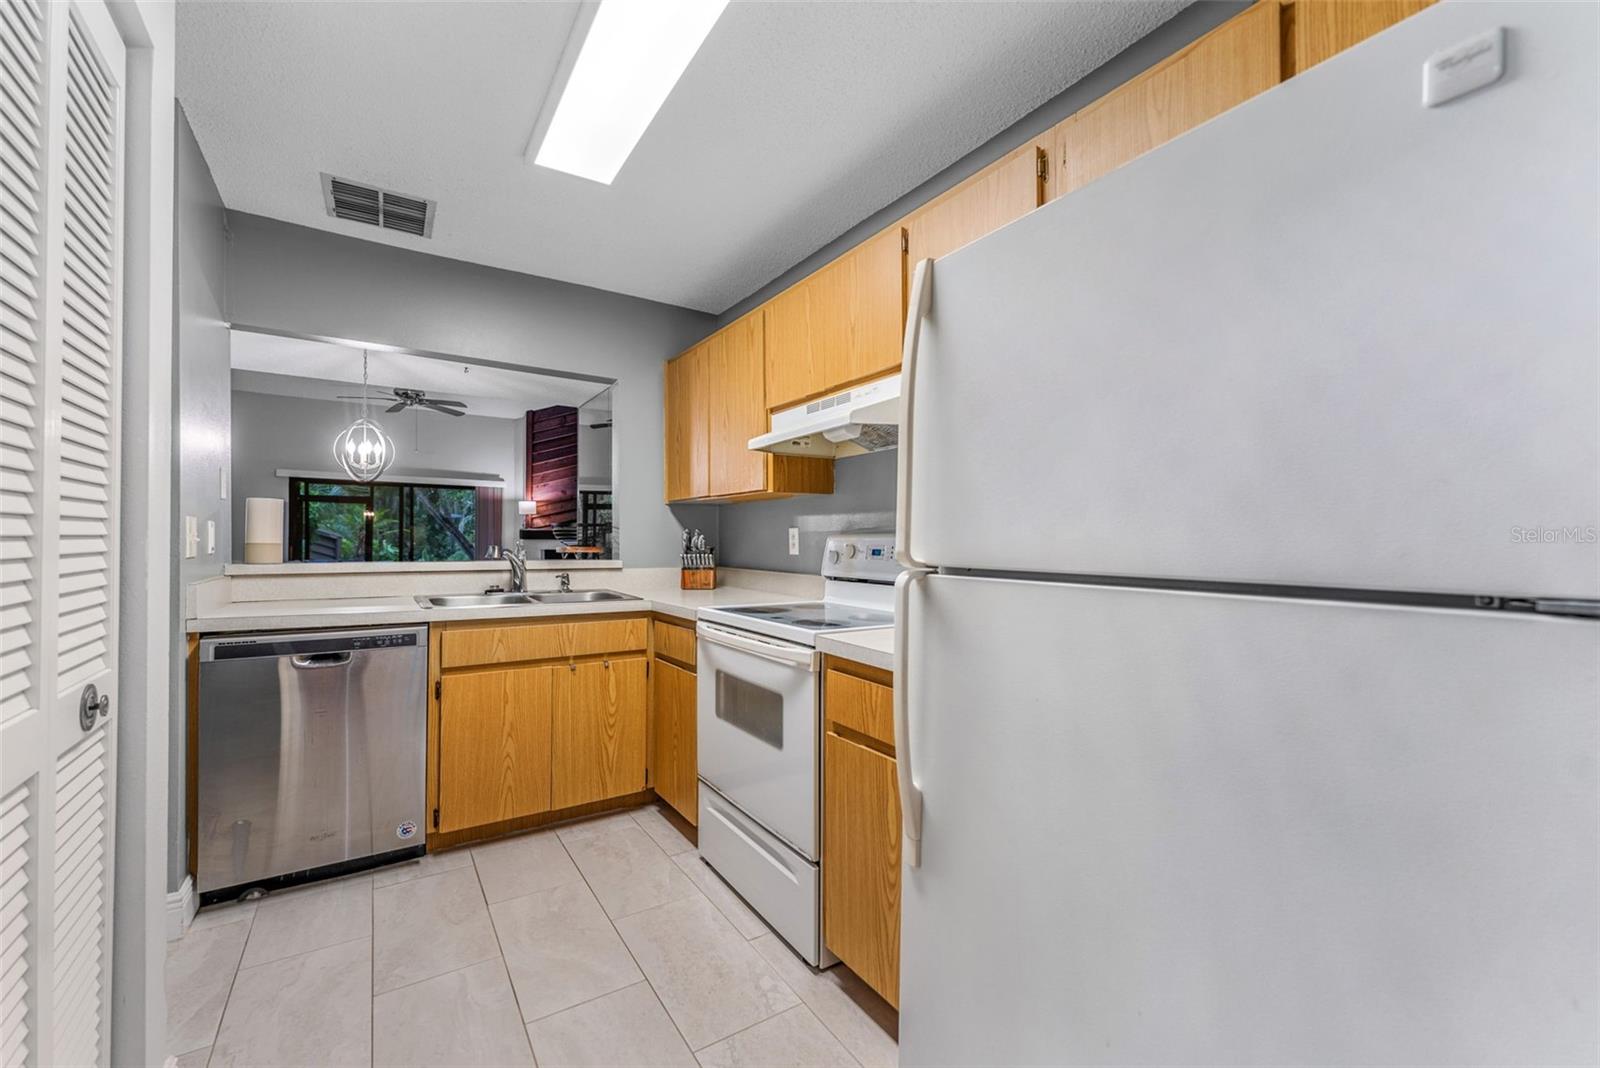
(864, 557)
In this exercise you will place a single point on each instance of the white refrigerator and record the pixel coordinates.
(1249, 668)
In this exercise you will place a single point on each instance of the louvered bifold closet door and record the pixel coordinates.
(62, 68)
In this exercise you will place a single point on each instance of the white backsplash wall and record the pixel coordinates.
(756, 534)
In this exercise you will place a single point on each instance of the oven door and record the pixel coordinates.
(758, 729)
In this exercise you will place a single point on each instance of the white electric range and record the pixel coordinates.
(759, 728)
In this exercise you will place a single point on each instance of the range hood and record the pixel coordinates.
(864, 418)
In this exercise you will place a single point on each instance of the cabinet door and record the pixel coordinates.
(1317, 29)
(1005, 190)
(1226, 67)
(840, 325)
(877, 308)
(794, 368)
(861, 862)
(494, 746)
(738, 407)
(673, 760)
(688, 440)
(597, 736)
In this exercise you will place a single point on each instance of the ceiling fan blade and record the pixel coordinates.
(451, 403)
(436, 406)
(397, 407)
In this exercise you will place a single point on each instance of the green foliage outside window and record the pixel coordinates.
(341, 521)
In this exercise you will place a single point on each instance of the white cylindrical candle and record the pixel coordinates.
(263, 530)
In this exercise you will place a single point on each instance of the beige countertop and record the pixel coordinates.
(404, 610)
(872, 647)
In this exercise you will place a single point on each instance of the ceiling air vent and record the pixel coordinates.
(377, 207)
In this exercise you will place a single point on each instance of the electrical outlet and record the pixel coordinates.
(794, 541)
(222, 483)
(211, 537)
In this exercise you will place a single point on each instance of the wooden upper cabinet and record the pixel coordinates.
(794, 364)
(1313, 30)
(839, 325)
(878, 317)
(688, 444)
(1224, 68)
(1003, 191)
(738, 407)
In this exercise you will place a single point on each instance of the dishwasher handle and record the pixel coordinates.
(306, 661)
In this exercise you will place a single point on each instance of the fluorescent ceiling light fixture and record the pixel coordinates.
(634, 53)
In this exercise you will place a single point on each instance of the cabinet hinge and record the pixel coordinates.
(436, 819)
(1042, 166)
(905, 242)
(438, 689)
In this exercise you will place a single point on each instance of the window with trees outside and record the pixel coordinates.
(332, 521)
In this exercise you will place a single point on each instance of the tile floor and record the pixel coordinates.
(602, 942)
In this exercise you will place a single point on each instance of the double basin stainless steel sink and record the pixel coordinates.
(513, 600)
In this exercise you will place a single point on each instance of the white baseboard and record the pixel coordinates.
(181, 905)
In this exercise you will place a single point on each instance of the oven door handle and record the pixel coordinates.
(788, 655)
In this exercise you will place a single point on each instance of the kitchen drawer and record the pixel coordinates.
(778, 883)
(859, 705)
(506, 643)
(674, 642)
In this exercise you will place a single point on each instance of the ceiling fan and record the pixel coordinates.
(415, 398)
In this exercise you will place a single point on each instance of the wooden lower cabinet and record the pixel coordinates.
(494, 746)
(861, 862)
(674, 762)
(597, 731)
(860, 833)
(563, 726)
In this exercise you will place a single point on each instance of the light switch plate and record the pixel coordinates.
(211, 537)
(1470, 65)
(794, 541)
(191, 537)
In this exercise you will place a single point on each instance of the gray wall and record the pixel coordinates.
(271, 431)
(293, 278)
(200, 410)
(755, 535)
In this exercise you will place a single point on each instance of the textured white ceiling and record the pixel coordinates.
(795, 121)
(295, 367)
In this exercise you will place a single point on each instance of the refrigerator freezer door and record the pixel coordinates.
(1331, 338)
(1185, 828)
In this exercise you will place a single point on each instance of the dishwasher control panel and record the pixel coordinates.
(307, 644)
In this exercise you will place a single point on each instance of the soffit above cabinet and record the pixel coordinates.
(794, 122)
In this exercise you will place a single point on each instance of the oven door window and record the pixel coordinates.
(753, 709)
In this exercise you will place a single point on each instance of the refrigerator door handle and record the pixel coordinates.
(910, 795)
(916, 311)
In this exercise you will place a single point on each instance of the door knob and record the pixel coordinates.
(92, 707)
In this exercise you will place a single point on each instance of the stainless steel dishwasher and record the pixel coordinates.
(312, 751)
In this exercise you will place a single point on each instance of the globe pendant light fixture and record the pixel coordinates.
(363, 450)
